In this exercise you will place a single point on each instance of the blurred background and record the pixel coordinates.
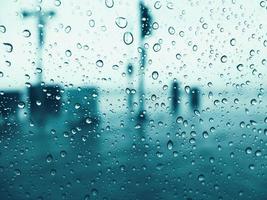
(116, 99)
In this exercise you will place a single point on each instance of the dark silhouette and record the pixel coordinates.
(81, 106)
(9, 101)
(130, 92)
(44, 100)
(146, 27)
(194, 98)
(175, 96)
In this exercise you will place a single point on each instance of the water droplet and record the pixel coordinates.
(26, 33)
(178, 56)
(170, 145)
(201, 178)
(121, 22)
(94, 192)
(179, 120)
(156, 47)
(239, 67)
(21, 105)
(205, 134)
(99, 63)
(248, 150)
(155, 75)
(1, 74)
(8, 47)
(53, 172)
(67, 29)
(258, 153)
(57, 3)
(224, 59)
(128, 38)
(63, 154)
(49, 158)
(157, 5)
(171, 30)
(109, 3)
(88, 120)
(2, 29)
(92, 23)
(68, 53)
(233, 42)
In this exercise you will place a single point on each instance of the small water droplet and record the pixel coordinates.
(67, 29)
(49, 158)
(121, 22)
(21, 105)
(128, 38)
(224, 59)
(155, 75)
(109, 3)
(239, 67)
(99, 63)
(156, 47)
(8, 47)
(26, 33)
(2, 29)
(68, 53)
(170, 145)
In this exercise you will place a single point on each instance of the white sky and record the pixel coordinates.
(244, 20)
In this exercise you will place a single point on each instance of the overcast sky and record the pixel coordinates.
(202, 32)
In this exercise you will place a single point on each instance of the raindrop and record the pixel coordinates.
(49, 158)
(26, 33)
(258, 153)
(171, 30)
(205, 134)
(156, 47)
(248, 150)
(155, 75)
(88, 120)
(128, 38)
(121, 22)
(94, 192)
(67, 29)
(157, 5)
(239, 67)
(21, 104)
(178, 56)
(170, 145)
(91, 23)
(8, 47)
(63, 154)
(2, 29)
(99, 63)
(224, 59)
(109, 3)
(57, 3)
(201, 178)
(68, 53)
(1, 74)
(233, 42)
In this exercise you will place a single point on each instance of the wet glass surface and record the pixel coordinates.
(112, 99)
